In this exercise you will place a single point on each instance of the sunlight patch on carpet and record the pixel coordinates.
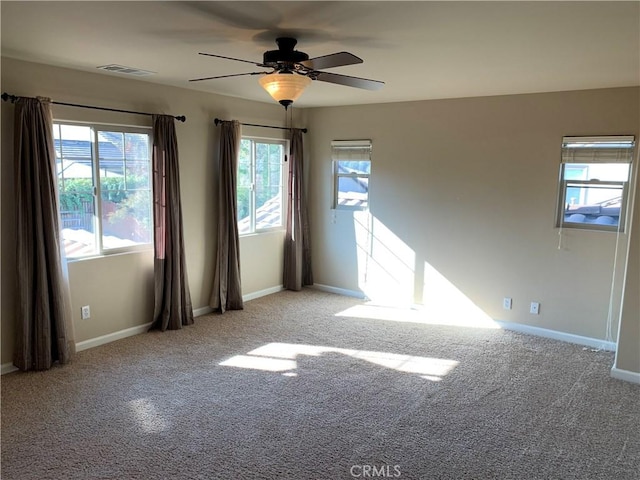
(283, 357)
(260, 363)
(458, 314)
(147, 416)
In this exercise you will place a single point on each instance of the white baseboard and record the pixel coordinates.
(94, 342)
(262, 293)
(556, 335)
(8, 368)
(339, 291)
(111, 337)
(202, 311)
(516, 327)
(626, 375)
(245, 298)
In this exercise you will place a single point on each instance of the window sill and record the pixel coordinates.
(591, 228)
(350, 209)
(271, 231)
(99, 256)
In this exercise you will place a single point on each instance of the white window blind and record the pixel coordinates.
(353, 150)
(611, 149)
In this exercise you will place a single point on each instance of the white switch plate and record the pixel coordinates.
(535, 308)
(506, 303)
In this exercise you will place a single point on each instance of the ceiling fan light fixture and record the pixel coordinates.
(284, 87)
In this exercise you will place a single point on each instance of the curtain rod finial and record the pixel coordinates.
(7, 97)
(181, 118)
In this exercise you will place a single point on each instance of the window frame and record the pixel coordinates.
(620, 150)
(339, 148)
(284, 169)
(99, 249)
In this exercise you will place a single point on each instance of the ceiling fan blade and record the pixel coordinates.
(226, 76)
(348, 81)
(333, 60)
(230, 58)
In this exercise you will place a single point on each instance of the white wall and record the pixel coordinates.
(463, 197)
(119, 288)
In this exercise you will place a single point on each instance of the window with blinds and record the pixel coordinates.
(594, 180)
(351, 172)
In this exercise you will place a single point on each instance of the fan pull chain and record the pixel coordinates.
(286, 154)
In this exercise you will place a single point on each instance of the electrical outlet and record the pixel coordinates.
(85, 312)
(535, 308)
(506, 303)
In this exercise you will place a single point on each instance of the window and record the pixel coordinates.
(351, 171)
(594, 179)
(104, 186)
(260, 179)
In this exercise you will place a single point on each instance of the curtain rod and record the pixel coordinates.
(13, 98)
(218, 121)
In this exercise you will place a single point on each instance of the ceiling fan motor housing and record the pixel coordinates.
(285, 55)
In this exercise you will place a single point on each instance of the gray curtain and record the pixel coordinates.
(172, 306)
(44, 329)
(227, 291)
(297, 246)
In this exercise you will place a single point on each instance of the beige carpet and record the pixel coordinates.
(288, 389)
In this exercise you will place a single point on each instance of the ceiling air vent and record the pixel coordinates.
(126, 70)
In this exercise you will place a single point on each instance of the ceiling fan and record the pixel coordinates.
(292, 71)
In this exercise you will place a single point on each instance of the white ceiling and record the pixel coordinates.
(421, 50)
